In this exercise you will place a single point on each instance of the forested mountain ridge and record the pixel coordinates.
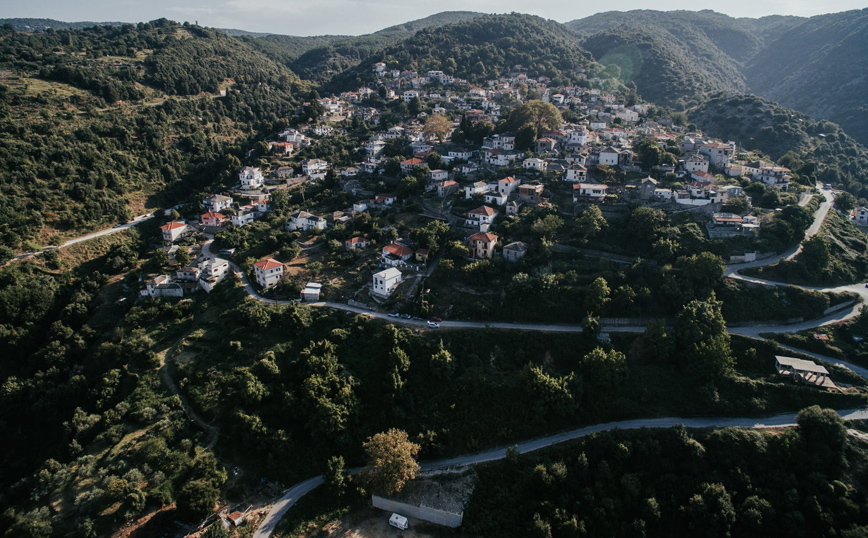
(664, 68)
(90, 131)
(815, 65)
(323, 63)
(33, 25)
(482, 48)
(819, 68)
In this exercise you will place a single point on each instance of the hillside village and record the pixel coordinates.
(553, 280)
(432, 181)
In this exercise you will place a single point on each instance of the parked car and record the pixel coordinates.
(437, 319)
(406, 316)
(433, 325)
(394, 315)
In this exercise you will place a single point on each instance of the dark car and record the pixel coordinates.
(436, 319)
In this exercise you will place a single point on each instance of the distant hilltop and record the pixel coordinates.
(40, 25)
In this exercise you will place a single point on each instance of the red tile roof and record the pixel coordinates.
(173, 225)
(397, 249)
(482, 236)
(267, 263)
(484, 210)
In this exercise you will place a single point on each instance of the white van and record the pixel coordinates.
(398, 521)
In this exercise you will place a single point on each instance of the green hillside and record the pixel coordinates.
(815, 65)
(665, 68)
(482, 48)
(32, 25)
(95, 136)
(321, 63)
(832, 156)
(820, 68)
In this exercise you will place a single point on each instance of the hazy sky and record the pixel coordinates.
(314, 17)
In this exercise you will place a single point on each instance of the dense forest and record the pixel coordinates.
(663, 67)
(323, 63)
(805, 481)
(483, 48)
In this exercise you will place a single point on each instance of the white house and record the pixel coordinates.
(480, 218)
(696, 163)
(480, 187)
(268, 272)
(410, 164)
(861, 216)
(396, 254)
(496, 198)
(385, 282)
(506, 185)
(409, 95)
(243, 217)
(217, 202)
(514, 251)
(251, 178)
(314, 168)
(533, 163)
(576, 173)
(211, 272)
(163, 286)
(356, 243)
(438, 175)
(458, 154)
(718, 153)
(174, 230)
(589, 193)
(610, 156)
(303, 221)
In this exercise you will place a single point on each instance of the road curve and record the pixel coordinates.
(294, 493)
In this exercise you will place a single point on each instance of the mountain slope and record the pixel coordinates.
(34, 25)
(674, 54)
(320, 63)
(759, 124)
(482, 48)
(89, 132)
(664, 67)
(815, 65)
(820, 68)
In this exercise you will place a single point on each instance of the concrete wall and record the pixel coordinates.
(431, 515)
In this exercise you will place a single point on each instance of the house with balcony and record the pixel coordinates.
(589, 193)
(480, 218)
(251, 178)
(482, 245)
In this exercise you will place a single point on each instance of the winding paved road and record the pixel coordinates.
(108, 231)
(294, 493)
(297, 491)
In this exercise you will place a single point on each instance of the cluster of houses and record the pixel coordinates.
(202, 273)
(574, 154)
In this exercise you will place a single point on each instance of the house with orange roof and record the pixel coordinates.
(172, 231)
(357, 243)
(482, 245)
(480, 218)
(409, 165)
(268, 272)
(213, 219)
